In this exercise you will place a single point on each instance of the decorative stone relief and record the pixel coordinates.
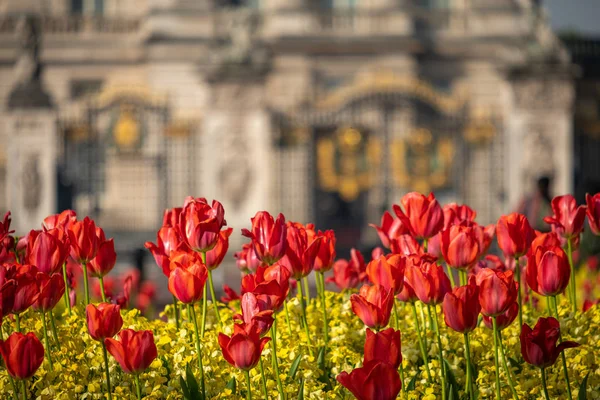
(543, 94)
(235, 172)
(538, 154)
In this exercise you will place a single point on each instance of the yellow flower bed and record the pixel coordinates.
(78, 364)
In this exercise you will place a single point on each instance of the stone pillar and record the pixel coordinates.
(539, 135)
(31, 174)
(237, 128)
(31, 131)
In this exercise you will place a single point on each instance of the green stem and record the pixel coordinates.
(108, 387)
(562, 353)
(451, 275)
(23, 390)
(439, 342)
(14, 386)
(204, 310)
(421, 343)
(572, 283)
(469, 388)
(274, 359)
(138, 386)
(54, 331)
(214, 299)
(102, 292)
(86, 288)
(519, 290)
(424, 321)
(396, 319)
(287, 317)
(18, 322)
(249, 386)
(321, 278)
(192, 311)
(306, 289)
(46, 341)
(463, 277)
(305, 320)
(176, 308)
(505, 365)
(496, 358)
(425, 245)
(67, 301)
(264, 380)
(543, 372)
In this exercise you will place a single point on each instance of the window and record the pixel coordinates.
(87, 7)
(84, 87)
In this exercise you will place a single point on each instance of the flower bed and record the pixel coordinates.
(315, 360)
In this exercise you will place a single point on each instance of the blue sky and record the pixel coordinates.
(580, 15)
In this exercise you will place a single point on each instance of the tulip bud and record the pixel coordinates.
(391, 229)
(514, 235)
(23, 354)
(422, 215)
(383, 346)
(548, 270)
(593, 212)
(375, 380)
(459, 246)
(388, 272)
(83, 240)
(187, 279)
(48, 250)
(461, 307)
(51, 290)
(568, 218)
(428, 279)
(105, 259)
(373, 305)
(243, 349)
(200, 223)
(268, 237)
(103, 320)
(497, 291)
(134, 351)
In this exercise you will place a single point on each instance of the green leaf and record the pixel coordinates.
(582, 389)
(184, 388)
(451, 380)
(232, 384)
(301, 390)
(321, 358)
(413, 381)
(192, 384)
(294, 367)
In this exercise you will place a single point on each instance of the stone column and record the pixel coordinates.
(539, 135)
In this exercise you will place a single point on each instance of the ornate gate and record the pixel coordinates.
(368, 143)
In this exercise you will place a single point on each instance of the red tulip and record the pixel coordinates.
(256, 310)
(428, 280)
(422, 215)
(538, 345)
(171, 217)
(503, 320)
(243, 348)
(23, 354)
(497, 291)
(375, 380)
(514, 235)
(51, 290)
(383, 346)
(299, 256)
(461, 307)
(454, 214)
(187, 278)
(271, 281)
(459, 246)
(48, 250)
(230, 295)
(134, 352)
(7, 296)
(349, 274)
(200, 223)
(105, 259)
(215, 257)
(168, 241)
(246, 259)
(545, 239)
(325, 257)
(568, 218)
(484, 235)
(5, 226)
(406, 245)
(26, 292)
(103, 320)
(60, 221)
(388, 272)
(593, 212)
(83, 240)
(373, 305)
(548, 270)
(391, 228)
(268, 237)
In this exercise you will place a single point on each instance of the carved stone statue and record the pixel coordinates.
(28, 91)
(240, 53)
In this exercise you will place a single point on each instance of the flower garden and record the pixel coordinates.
(429, 315)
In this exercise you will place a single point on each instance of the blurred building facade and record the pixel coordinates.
(327, 111)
